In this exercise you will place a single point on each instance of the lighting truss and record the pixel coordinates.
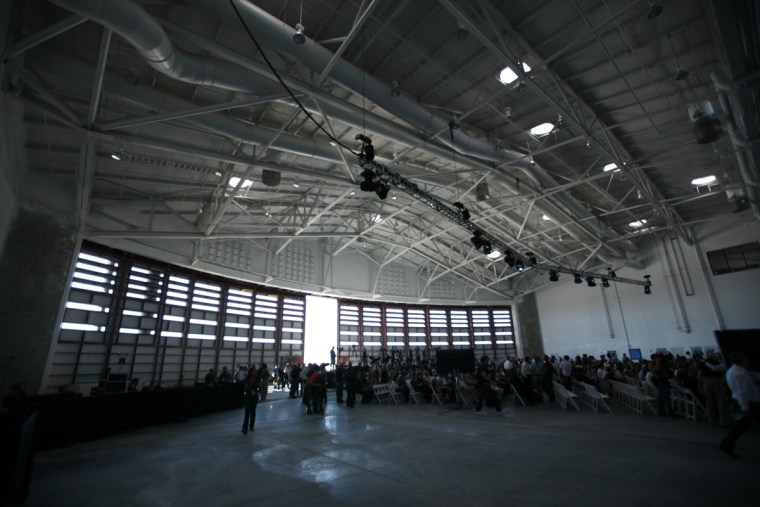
(392, 178)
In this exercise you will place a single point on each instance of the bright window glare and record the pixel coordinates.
(321, 329)
(610, 167)
(542, 129)
(507, 75)
(638, 224)
(235, 180)
(704, 181)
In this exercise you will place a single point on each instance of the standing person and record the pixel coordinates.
(743, 383)
(485, 392)
(351, 381)
(315, 384)
(295, 379)
(263, 374)
(241, 374)
(332, 356)
(339, 381)
(547, 378)
(250, 401)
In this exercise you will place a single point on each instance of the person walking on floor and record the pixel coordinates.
(250, 400)
(743, 383)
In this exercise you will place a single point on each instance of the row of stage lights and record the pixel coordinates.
(372, 182)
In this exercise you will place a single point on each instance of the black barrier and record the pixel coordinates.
(66, 419)
(461, 361)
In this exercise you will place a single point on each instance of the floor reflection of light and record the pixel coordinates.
(318, 469)
(331, 423)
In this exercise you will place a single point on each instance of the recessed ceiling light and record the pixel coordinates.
(508, 76)
(235, 180)
(612, 166)
(704, 181)
(542, 129)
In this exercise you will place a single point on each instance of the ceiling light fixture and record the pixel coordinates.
(298, 37)
(382, 191)
(681, 74)
(487, 249)
(495, 254)
(532, 260)
(395, 90)
(553, 276)
(611, 272)
(612, 166)
(462, 32)
(118, 155)
(704, 181)
(577, 278)
(605, 282)
(590, 281)
(509, 76)
(542, 129)
(519, 266)
(369, 184)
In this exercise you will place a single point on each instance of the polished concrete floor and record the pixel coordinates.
(407, 456)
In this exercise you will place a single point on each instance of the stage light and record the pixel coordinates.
(532, 260)
(476, 240)
(577, 278)
(605, 282)
(382, 190)
(611, 273)
(647, 284)
(553, 276)
(118, 155)
(463, 212)
(590, 281)
(509, 257)
(369, 184)
(519, 266)
(487, 249)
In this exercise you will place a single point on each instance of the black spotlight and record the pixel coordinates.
(577, 278)
(509, 257)
(298, 37)
(487, 249)
(382, 190)
(605, 282)
(367, 149)
(647, 289)
(590, 281)
(553, 276)
(532, 260)
(395, 90)
(519, 266)
(369, 184)
(463, 212)
(611, 273)
(476, 240)
(647, 284)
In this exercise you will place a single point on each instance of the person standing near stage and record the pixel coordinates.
(340, 374)
(486, 394)
(263, 374)
(332, 356)
(351, 382)
(250, 400)
(743, 383)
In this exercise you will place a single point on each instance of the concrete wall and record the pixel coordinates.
(575, 319)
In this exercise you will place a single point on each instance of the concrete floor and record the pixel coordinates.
(408, 456)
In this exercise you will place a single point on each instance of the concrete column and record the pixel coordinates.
(35, 268)
(529, 325)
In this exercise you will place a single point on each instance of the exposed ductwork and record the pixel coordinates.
(138, 27)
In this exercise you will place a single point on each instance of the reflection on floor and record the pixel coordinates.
(405, 455)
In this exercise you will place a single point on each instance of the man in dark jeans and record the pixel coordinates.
(485, 392)
(351, 381)
(250, 400)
